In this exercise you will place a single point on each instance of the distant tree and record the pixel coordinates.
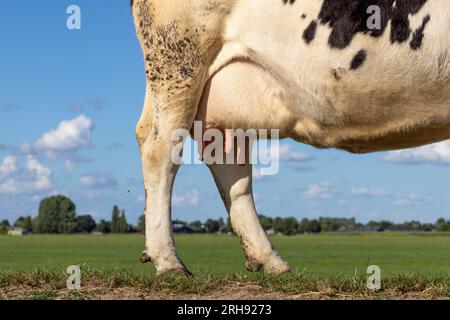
(56, 215)
(442, 225)
(104, 226)
(278, 225)
(286, 226)
(24, 222)
(229, 226)
(197, 226)
(337, 224)
(4, 226)
(373, 225)
(407, 226)
(328, 225)
(132, 229)
(290, 226)
(222, 225)
(212, 226)
(304, 226)
(115, 221)
(266, 222)
(314, 226)
(386, 225)
(380, 225)
(122, 223)
(85, 224)
(141, 224)
(427, 227)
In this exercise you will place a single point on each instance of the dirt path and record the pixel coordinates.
(230, 292)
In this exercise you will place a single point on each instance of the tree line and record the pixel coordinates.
(57, 215)
(291, 226)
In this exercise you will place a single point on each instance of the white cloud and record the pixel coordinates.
(76, 108)
(69, 165)
(369, 192)
(190, 198)
(8, 166)
(93, 194)
(437, 154)
(413, 199)
(285, 152)
(278, 151)
(259, 176)
(42, 174)
(9, 106)
(96, 103)
(322, 190)
(33, 165)
(257, 173)
(70, 135)
(8, 186)
(98, 180)
(87, 180)
(33, 177)
(274, 152)
(276, 199)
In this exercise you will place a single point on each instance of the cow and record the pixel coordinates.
(356, 75)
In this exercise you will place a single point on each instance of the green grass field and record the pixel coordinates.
(421, 258)
(324, 254)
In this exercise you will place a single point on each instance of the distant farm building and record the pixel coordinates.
(181, 228)
(17, 232)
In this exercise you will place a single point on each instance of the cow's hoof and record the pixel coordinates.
(253, 266)
(177, 272)
(277, 269)
(145, 258)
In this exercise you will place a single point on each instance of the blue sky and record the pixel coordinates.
(69, 101)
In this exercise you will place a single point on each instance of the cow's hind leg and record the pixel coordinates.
(177, 54)
(160, 118)
(235, 187)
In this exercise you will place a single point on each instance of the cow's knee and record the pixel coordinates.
(142, 132)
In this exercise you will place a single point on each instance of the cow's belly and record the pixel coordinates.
(244, 96)
(395, 98)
